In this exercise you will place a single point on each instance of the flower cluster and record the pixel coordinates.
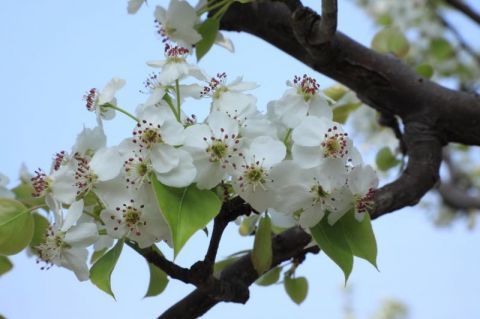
(293, 161)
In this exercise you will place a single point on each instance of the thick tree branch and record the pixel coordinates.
(465, 9)
(431, 115)
(328, 25)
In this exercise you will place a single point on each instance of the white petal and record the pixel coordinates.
(221, 124)
(307, 157)
(110, 89)
(155, 97)
(311, 216)
(173, 132)
(361, 179)
(90, 140)
(182, 175)
(267, 150)
(82, 235)
(224, 42)
(282, 220)
(311, 131)
(106, 163)
(164, 158)
(156, 63)
(63, 185)
(73, 214)
(195, 136)
(76, 259)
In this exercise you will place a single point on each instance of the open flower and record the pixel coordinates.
(95, 102)
(178, 23)
(66, 241)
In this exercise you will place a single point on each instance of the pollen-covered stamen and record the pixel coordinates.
(147, 134)
(51, 248)
(222, 149)
(161, 31)
(151, 83)
(40, 183)
(319, 194)
(85, 178)
(216, 86)
(137, 171)
(176, 54)
(132, 217)
(90, 98)
(334, 144)
(364, 204)
(254, 175)
(58, 160)
(306, 86)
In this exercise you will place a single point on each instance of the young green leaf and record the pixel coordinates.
(296, 288)
(262, 246)
(332, 240)
(5, 265)
(441, 49)
(360, 237)
(425, 70)
(341, 113)
(39, 230)
(391, 40)
(208, 30)
(97, 254)
(186, 210)
(16, 226)
(23, 193)
(158, 278)
(101, 271)
(385, 159)
(270, 277)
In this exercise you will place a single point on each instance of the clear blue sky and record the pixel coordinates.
(53, 51)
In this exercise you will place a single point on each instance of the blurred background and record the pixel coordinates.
(54, 51)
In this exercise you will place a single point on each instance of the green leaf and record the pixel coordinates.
(186, 210)
(335, 92)
(5, 265)
(16, 226)
(248, 225)
(158, 279)
(385, 20)
(296, 288)
(391, 40)
(360, 237)
(101, 271)
(341, 113)
(270, 277)
(208, 30)
(332, 240)
(97, 254)
(441, 49)
(425, 70)
(39, 230)
(23, 193)
(262, 246)
(385, 159)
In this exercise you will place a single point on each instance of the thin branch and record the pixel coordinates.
(328, 24)
(461, 41)
(465, 9)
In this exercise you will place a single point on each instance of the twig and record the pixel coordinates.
(465, 9)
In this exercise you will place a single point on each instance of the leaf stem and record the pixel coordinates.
(177, 91)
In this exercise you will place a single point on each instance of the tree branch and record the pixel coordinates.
(465, 9)
(328, 24)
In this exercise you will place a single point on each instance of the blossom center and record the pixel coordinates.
(147, 134)
(306, 86)
(363, 204)
(137, 171)
(334, 144)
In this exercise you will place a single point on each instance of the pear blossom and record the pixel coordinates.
(132, 213)
(229, 98)
(95, 102)
(214, 147)
(362, 182)
(317, 139)
(309, 193)
(251, 176)
(175, 67)
(304, 98)
(178, 23)
(66, 241)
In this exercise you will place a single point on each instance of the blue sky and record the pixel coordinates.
(53, 51)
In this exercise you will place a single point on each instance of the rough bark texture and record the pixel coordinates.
(432, 116)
